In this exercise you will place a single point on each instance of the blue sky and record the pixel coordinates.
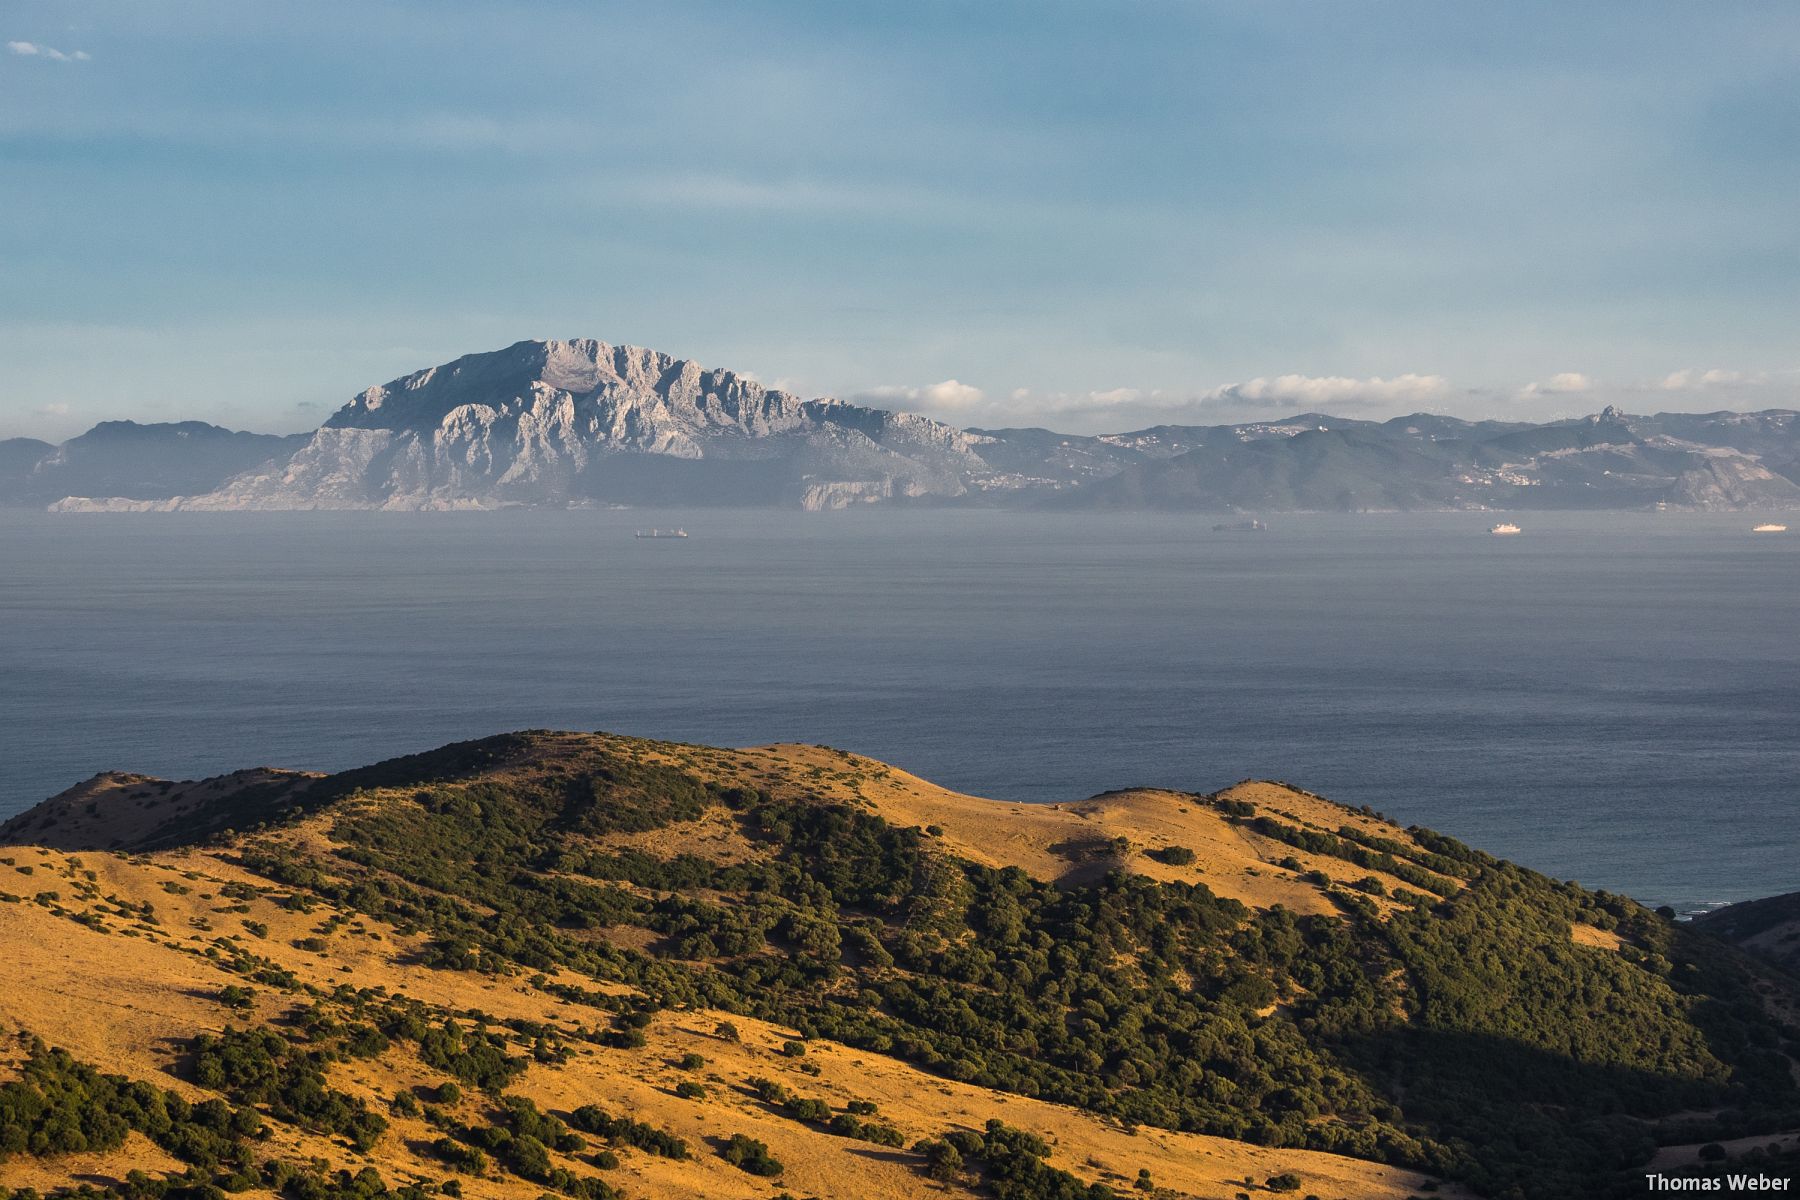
(1088, 215)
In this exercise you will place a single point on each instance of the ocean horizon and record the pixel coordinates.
(1608, 697)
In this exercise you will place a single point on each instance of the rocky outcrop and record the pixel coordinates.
(1732, 483)
(820, 495)
(554, 423)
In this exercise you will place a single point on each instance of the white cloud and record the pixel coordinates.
(1328, 391)
(1561, 384)
(950, 396)
(51, 410)
(38, 50)
(1111, 409)
(1694, 380)
(1023, 402)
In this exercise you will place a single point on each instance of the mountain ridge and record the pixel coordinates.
(582, 422)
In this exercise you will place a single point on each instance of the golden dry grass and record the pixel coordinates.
(115, 809)
(1072, 842)
(127, 996)
(1600, 939)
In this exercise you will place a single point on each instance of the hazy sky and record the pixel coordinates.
(1090, 215)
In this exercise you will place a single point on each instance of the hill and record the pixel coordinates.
(595, 965)
(1769, 928)
(135, 462)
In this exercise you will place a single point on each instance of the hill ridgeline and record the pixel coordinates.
(593, 966)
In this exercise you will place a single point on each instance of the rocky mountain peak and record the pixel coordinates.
(585, 421)
(523, 375)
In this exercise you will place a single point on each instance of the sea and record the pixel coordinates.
(1613, 698)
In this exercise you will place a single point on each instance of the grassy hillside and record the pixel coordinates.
(1768, 928)
(570, 964)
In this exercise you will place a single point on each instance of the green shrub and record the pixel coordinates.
(748, 1154)
(627, 1132)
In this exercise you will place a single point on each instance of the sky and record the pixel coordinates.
(1092, 216)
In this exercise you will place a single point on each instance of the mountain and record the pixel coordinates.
(560, 423)
(1332, 470)
(135, 462)
(586, 422)
(1039, 465)
(1607, 461)
(20, 455)
(589, 965)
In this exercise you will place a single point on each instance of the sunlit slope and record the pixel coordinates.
(124, 993)
(1252, 984)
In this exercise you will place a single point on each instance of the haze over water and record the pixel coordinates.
(1612, 698)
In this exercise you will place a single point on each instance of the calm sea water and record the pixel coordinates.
(1613, 698)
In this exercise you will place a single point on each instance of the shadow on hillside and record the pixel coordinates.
(901, 1158)
(1090, 860)
(1530, 1116)
(1422, 1064)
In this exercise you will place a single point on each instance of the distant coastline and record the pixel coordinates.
(582, 423)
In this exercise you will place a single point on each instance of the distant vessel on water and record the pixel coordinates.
(1769, 528)
(662, 533)
(1504, 528)
(1240, 527)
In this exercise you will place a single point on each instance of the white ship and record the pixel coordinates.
(662, 533)
(1504, 528)
(1770, 528)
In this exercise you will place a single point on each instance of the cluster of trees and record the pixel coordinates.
(59, 1105)
(812, 1111)
(623, 1131)
(285, 1180)
(748, 1154)
(1150, 1002)
(1351, 845)
(476, 1057)
(520, 1140)
(1010, 1162)
(260, 1066)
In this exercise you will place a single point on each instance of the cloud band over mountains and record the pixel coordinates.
(1264, 394)
(1286, 394)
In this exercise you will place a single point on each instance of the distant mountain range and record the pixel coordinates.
(572, 423)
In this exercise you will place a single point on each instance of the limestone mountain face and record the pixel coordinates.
(570, 421)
